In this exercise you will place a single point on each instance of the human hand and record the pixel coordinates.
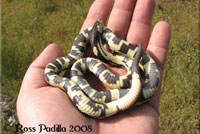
(39, 103)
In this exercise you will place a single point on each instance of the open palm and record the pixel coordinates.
(39, 103)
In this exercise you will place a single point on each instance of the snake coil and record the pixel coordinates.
(125, 90)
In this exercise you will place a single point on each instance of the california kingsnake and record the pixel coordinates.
(125, 90)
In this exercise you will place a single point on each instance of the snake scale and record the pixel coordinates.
(126, 90)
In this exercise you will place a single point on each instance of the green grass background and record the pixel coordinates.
(28, 26)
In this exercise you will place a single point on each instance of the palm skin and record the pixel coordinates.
(40, 103)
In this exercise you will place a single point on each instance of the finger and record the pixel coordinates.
(157, 48)
(139, 30)
(158, 44)
(120, 17)
(34, 77)
(99, 10)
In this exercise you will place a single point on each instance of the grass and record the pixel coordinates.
(180, 89)
(28, 26)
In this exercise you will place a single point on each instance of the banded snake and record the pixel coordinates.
(125, 90)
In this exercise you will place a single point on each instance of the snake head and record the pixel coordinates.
(98, 24)
(95, 36)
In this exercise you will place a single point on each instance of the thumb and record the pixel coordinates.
(34, 77)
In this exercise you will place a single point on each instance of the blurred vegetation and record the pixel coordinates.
(28, 26)
(179, 109)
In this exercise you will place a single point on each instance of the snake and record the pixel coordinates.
(126, 91)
